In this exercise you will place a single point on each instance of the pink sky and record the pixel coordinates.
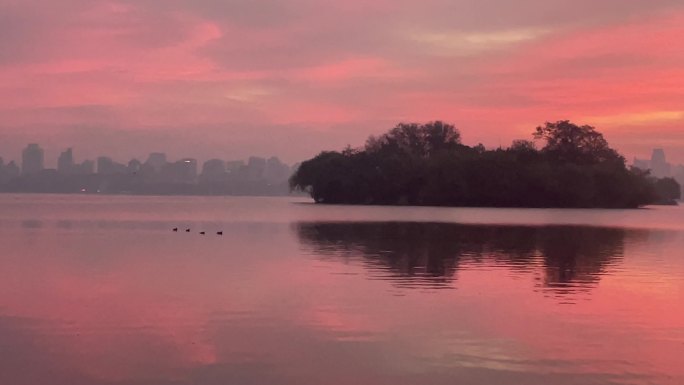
(227, 79)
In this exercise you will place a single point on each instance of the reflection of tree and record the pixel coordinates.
(575, 258)
(428, 254)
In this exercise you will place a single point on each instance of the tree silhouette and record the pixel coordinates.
(568, 142)
(427, 165)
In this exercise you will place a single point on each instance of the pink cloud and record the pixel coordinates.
(150, 65)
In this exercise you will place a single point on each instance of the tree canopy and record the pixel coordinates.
(426, 164)
(419, 140)
(568, 142)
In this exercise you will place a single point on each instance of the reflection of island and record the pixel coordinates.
(428, 254)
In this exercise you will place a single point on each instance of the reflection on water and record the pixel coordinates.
(569, 258)
(102, 292)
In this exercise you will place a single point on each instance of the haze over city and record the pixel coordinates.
(227, 79)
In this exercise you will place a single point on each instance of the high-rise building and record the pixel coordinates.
(182, 171)
(87, 167)
(186, 170)
(65, 163)
(256, 167)
(106, 166)
(12, 170)
(213, 170)
(276, 171)
(659, 166)
(234, 166)
(134, 166)
(157, 161)
(32, 159)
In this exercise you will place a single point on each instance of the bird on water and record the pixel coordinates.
(175, 229)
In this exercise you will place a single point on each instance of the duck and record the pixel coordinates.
(219, 233)
(175, 229)
(202, 232)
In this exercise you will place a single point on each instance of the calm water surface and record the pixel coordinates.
(99, 290)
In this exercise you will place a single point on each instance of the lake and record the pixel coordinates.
(100, 290)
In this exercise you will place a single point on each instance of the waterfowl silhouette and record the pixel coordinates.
(202, 233)
(187, 230)
(219, 233)
(175, 229)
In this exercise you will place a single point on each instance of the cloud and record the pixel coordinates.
(491, 67)
(466, 44)
(642, 118)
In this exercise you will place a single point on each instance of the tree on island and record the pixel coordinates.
(570, 143)
(426, 164)
(421, 141)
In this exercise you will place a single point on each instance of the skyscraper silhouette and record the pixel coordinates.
(157, 160)
(32, 159)
(659, 166)
(65, 163)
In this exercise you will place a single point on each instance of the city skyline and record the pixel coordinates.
(660, 167)
(68, 153)
(51, 157)
(156, 174)
(293, 78)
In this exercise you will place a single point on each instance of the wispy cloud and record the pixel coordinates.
(639, 118)
(473, 43)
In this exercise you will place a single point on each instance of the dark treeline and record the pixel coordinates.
(427, 164)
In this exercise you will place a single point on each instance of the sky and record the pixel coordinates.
(232, 78)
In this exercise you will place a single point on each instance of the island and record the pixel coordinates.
(428, 165)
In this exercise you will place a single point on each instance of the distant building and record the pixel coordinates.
(187, 170)
(256, 167)
(106, 166)
(65, 162)
(659, 166)
(213, 170)
(134, 166)
(156, 161)
(87, 167)
(276, 171)
(234, 166)
(182, 171)
(12, 170)
(32, 159)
